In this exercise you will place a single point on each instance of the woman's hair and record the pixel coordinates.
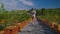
(33, 9)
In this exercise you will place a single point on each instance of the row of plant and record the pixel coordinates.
(53, 15)
(10, 18)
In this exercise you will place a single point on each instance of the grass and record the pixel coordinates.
(52, 19)
(11, 18)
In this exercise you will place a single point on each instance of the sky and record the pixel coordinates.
(28, 4)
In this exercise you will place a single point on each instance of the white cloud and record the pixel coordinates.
(29, 3)
(14, 4)
(10, 4)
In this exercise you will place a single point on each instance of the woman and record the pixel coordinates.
(33, 13)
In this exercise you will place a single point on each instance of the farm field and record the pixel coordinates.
(29, 17)
(53, 15)
(10, 18)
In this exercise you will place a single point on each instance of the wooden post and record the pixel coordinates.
(59, 29)
(53, 25)
(7, 31)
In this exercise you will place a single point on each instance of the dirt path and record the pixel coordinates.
(36, 28)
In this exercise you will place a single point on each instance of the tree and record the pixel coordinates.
(43, 10)
(38, 12)
(2, 7)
